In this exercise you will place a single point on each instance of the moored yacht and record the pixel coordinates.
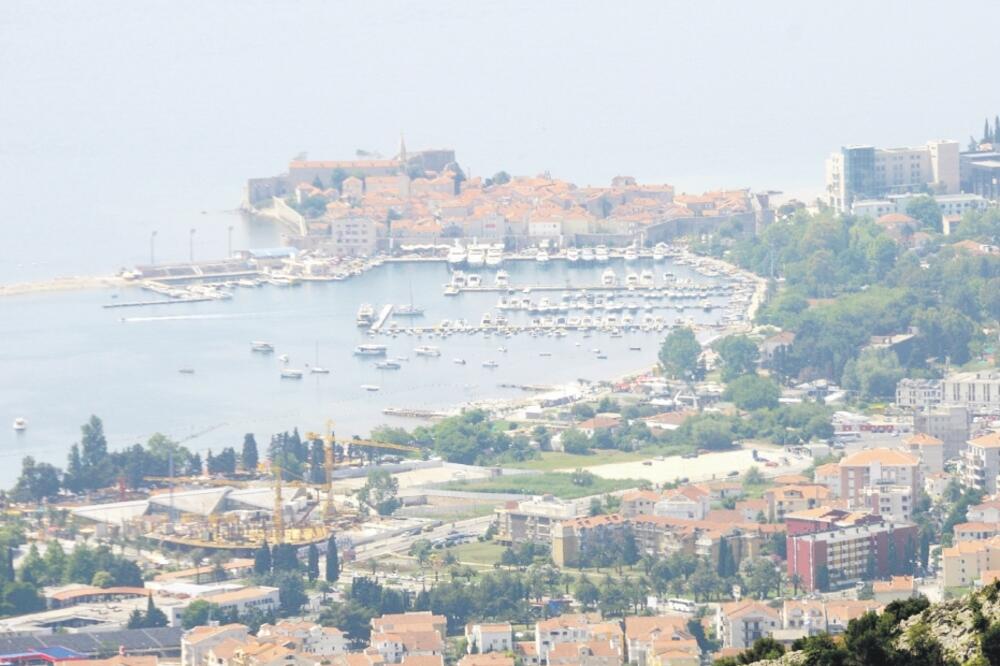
(261, 347)
(587, 254)
(659, 251)
(427, 350)
(631, 254)
(370, 350)
(572, 255)
(502, 278)
(476, 256)
(289, 373)
(20, 423)
(542, 256)
(366, 315)
(646, 278)
(601, 253)
(456, 255)
(494, 256)
(608, 278)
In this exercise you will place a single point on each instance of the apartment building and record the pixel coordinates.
(918, 393)
(950, 424)
(844, 547)
(740, 623)
(929, 449)
(964, 563)
(587, 653)
(867, 172)
(644, 633)
(532, 520)
(979, 391)
(950, 204)
(496, 637)
(198, 642)
(864, 471)
(352, 236)
(574, 628)
(306, 637)
(980, 463)
(828, 475)
(793, 498)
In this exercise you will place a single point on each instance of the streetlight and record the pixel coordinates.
(229, 255)
(152, 249)
(191, 245)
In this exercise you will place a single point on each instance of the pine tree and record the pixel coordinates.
(73, 478)
(312, 569)
(317, 474)
(154, 617)
(249, 456)
(332, 559)
(262, 560)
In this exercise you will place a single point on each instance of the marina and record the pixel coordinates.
(235, 345)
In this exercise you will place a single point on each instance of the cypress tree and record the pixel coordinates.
(987, 135)
(312, 568)
(249, 456)
(996, 128)
(332, 559)
(262, 560)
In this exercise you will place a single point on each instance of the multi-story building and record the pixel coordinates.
(980, 172)
(240, 602)
(793, 498)
(918, 393)
(977, 391)
(532, 520)
(950, 204)
(949, 424)
(588, 653)
(307, 637)
(980, 463)
(832, 547)
(866, 172)
(352, 236)
(929, 449)
(866, 470)
(964, 563)
(642, 633)
(892, 502)
(557, 630)
(740, 623)
(198, 642)
(496, 637)
(573, 538)
(828, 475)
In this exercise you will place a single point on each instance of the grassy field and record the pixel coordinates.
(485, 552)
(452, 513)
(553, 460)
(559, 484)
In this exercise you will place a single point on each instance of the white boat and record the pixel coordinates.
(427, 350)
(283, 358)
(366, 315)
(646, 278)
(494, 256)
(608, 278)
(542, 256)
(631, 254)
(370, 387)
(572, 255)
(632, 280)
(20, 423)
(458, 279)
(261, 347)
(388, 365)
(459, 361)
(486, 320)
(452, 290)
(476, 256)
(370, 350)
(587, 255)
(456, 255)
(502, 279)
(659, 252)
(186, 371)
(289, 373)
(601, 253)
(316, 368)
(490, 364)
(474, 280)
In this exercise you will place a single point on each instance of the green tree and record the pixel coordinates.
(95, 463)
(153, 617)
(586, 592)
(55, 562)
(317, 471)
(262, 560)
(379, 492)
(332, 560)
(738, 354)
(925, 210)
(38, 481)
(312, 566)
(679, 354)
(752, 392)
(291, 593)
(198, 613)
(989, 643)
(103, 579)
(73, 478)
(574, 441)
(249, 456)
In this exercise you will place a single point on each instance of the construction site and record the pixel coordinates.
(238, 516)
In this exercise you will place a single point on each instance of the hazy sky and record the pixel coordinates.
(121, 117)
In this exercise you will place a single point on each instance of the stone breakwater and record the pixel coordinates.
(74, 283)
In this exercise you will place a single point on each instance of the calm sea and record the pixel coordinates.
(64, 357)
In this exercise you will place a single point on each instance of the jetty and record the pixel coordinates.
(172, 301)
(383, 316)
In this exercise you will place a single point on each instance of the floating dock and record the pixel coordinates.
(172, 301)
(383, 316)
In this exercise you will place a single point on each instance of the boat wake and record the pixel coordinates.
(235, 315)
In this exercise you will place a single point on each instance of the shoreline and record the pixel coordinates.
(70, 283)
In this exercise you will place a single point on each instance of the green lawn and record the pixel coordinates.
(486, 552)
(559, 484)
(553, 460)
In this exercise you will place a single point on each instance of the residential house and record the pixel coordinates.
(740, 623)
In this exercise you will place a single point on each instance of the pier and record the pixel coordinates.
(172, 301)
(383, 316)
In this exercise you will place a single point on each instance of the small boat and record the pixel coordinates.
(427, 350)
(283, 358)
(408, 311)
(490, 364)
(646, 278)
(370, 350)
(474, 280)
(370, 387)
(502, 350)
(659, 252)
(459, 361)
(572, 255)
(366, 315)
(542, 256)
(262, 347)
(601, 254)
(545, 354)
(587, 255)
(632, 280)
(451, 290)
(388, 365)
(494, 255)
(20, 423)
(502, 279)
(476, 256)
(635, 348)
(316, 370)
(603, 357)
(289, 373)
(631, 254)
(186, 371)
(608, 278)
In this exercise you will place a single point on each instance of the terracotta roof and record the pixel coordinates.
(895, 218)
(199, 634)
(740, 608)
(643, 628)
(895, 584)
(923, 439)
(90, 590)
(889, 457)
(423, 660)
(988, 441)
(828, 470)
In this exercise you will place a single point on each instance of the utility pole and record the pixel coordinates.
(152, 248)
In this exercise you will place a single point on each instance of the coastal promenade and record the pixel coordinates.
(74, 283)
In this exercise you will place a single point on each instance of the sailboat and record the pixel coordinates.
(409, 310)
(317, 369)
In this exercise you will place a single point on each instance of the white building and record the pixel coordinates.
(950, 204)
(979, 392)
(918, 393)
(498, 637)
(198, 642)
(308, 637)
(740, 623)
(866, 172)
(980, 463)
